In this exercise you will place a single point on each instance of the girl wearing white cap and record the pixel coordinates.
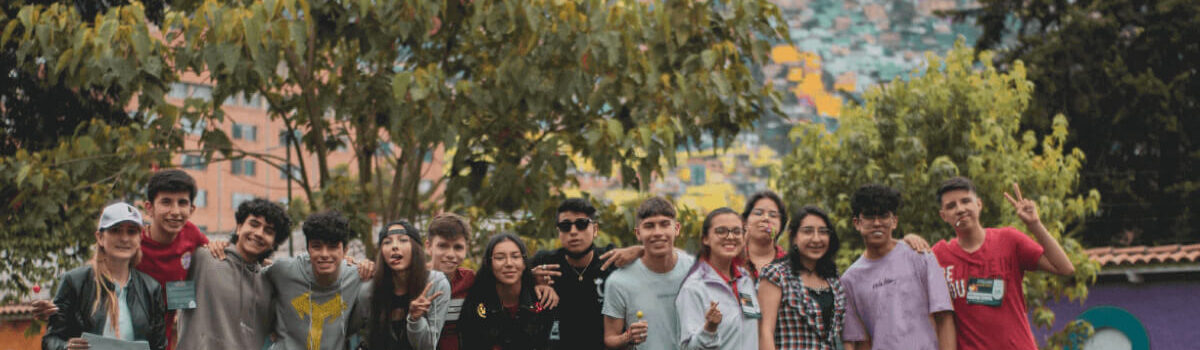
(107, 296)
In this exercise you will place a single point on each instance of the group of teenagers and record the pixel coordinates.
(166, 284)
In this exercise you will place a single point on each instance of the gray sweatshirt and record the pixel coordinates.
(308, 316)
(423, 333)
(233, 304)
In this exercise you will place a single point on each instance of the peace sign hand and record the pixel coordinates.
(419, 306)
(1026, 208)
(712, 318)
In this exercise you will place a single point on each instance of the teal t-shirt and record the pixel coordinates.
(635, 288)
(123, 320)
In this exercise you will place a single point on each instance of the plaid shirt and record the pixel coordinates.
(798, 325)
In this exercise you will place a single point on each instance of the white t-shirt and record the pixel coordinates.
(635, 288)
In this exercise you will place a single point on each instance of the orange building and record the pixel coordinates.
(223, 185)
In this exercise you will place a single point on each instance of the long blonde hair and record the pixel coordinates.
(100, 274)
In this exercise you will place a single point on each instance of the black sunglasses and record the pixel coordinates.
(580, 224)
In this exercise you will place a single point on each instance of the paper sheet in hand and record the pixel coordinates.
(99, 342)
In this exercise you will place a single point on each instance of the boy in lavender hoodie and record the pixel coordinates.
(896, 298)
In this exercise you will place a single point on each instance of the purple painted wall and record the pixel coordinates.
(1168, 309)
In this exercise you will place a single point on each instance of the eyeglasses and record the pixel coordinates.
(580, 224)
(808, 230)
(760, 212)
(727, 231)
(874, 218)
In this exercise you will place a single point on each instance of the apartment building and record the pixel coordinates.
(223, 185)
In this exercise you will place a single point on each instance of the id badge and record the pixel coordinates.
(181, 295)
(985, 291)
(749, 307)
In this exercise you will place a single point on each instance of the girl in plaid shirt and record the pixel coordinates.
(802, 301)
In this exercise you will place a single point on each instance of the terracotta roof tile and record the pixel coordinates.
(16, 309)
(1164, 254)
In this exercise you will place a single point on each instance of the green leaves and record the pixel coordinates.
(955, 116)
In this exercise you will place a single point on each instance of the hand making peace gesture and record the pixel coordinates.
(1026, 208)
(420, 305)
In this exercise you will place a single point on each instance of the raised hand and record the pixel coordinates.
(712, 318)
(621, 256)
(1026, 208)
(544, 274)
(420, 305)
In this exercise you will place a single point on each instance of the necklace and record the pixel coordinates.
(580, 273)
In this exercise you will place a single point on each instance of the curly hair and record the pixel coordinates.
(327, 226)
(270, 211)
(875, 199)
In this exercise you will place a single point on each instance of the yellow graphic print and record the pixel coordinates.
(321, 313)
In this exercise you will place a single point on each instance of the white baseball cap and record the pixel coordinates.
(117, 213)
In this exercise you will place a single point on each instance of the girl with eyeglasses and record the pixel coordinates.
(763, 217)
(501, 310)
(717, 303)
(802, 301)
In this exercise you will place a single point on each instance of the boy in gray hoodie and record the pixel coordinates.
(233, 300)
(315, 293)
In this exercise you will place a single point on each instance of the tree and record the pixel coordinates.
(61, 165)
(37, 109)
(508, 90)
(1125, 75)
(950, 118)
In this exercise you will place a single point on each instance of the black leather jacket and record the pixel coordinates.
(484, 324)
(76, 295)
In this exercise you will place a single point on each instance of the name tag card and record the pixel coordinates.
(181, 295)
(454, 309)
(749, 308)
(985, 291)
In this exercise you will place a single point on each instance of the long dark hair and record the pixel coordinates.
(384, 287)
(485, 278)
(826, 268)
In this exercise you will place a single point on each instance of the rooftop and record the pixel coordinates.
(1142, 255)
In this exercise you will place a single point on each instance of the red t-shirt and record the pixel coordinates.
(170, 262)
(1006, 254)
(460, 283)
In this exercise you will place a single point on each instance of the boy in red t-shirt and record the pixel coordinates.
(168, 244)
(985, 268)
(447, 247)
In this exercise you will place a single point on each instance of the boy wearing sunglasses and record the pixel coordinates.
(577, 272)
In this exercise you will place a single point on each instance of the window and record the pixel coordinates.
(239, 198)
(245, 132)
(201, 199)
(283, 173)
(194, 128)
(202, 92)
(178, 90)
(283, 136)
(385, 149)
(194, 162)
(243, 167)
